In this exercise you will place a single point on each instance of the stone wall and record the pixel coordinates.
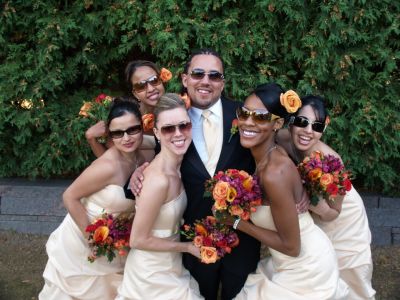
(36, 207)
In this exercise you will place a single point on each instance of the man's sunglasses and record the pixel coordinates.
(117, 134)
(182, 127)
(142, 85)
(199, 74)
(258, 116)
(303, 122)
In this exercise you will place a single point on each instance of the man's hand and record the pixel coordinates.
(135, 183)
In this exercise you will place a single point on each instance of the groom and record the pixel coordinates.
(204, 81)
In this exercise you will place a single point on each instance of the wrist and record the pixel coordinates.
(236, 223)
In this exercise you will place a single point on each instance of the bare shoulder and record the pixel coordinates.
(280, 167)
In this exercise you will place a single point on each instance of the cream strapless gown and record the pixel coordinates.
(68, 273)
(313, 275)
(158, 274)
(351, 239)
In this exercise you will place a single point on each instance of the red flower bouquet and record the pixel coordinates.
(109, 235)
(96, 109)
(324, 175)
(214, 239)
(235, 192)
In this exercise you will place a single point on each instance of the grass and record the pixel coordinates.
(23, 258)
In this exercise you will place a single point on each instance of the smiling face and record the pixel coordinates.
(256, 134)
(304, 139)
(179, 140)
(127, 143)
(151, 94)
(203, 92)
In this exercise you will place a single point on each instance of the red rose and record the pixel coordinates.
(347, 185)
(332, 189)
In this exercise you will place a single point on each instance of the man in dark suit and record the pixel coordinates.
(204, 82)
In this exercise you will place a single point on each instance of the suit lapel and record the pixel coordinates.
(192, 157)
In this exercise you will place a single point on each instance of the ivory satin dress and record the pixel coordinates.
(68, 273)
(351, 238)
(313, 275)
(160, 274)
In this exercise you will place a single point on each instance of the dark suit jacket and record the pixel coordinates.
(194, 175)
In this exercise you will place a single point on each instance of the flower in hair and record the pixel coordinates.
(327, 120)
(148, 122)
(290, 101)
(186, 99)
(165, 75)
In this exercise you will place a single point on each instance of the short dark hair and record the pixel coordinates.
(123, 105)
(134, 65)
(318, 105)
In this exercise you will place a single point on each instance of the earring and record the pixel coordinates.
(275, 130)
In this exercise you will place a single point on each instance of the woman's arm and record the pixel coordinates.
(95, 131)
(95, 177)
(328, 210)
(153, 195)
(278, 182)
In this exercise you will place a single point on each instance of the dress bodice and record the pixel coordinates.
(110, 199)
(169, 218)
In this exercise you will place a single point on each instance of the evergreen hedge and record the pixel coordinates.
(56, 54)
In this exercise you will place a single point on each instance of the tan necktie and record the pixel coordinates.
(210, 132)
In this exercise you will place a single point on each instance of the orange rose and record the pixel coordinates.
(315, 174)
(148, 122)
(208, 255)
(291, 101)
(220, 204)
(236, 210)
(220, 191)
(231, 194)
(200, 229)
(165, 75)
(244, 174)
(211, 219)
(248, 184)
(84, 111)
(198, 240)
(326, 179)
(101, 234)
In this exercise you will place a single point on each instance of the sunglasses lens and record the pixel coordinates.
(215, 76)
(198, 74)
(154, 81)
(318, 127)
(170, 129)
(184, 127)
(134, 130)
(140, 86)
(117, 134)
(300, 122)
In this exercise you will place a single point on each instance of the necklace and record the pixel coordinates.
(263, 161)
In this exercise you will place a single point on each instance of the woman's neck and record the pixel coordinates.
(146, 109)
(261, 151)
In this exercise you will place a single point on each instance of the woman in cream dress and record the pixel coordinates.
(344, 221)
(154, 268)
(302, 263)
(68, 273)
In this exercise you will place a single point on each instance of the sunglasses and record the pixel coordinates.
(142, 85)
(303, 122)
(117, 134)
(182, 127)
(258, 116)
(199, 74)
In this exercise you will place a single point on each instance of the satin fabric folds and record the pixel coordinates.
(159, 274)
(68, 273)
(313, 275)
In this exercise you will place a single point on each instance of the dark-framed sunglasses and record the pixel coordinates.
(199, 74)
(183, 127)
(302, 122)
(258, 116)
(117, 134)
(142, 85)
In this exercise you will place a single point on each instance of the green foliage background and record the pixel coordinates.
(60, 53)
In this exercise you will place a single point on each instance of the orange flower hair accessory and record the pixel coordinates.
(185, 98)
(165, 75)
(148, 122)
(327, 121)
(290, 101)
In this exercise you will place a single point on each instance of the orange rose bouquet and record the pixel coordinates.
(214, 239)
(109, 235)
(324, 175)
(96, 109)
(234, 192)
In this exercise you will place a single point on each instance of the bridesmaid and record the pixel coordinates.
(154, 268)
(145, 81)
(344, 220)
(302, 263)
(68, 273)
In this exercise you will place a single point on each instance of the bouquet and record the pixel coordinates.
(324, 175)
(109, 235)
(234, 192)
(214, 239)
(96, 109)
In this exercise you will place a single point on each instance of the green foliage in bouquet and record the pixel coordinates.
(55, 55)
